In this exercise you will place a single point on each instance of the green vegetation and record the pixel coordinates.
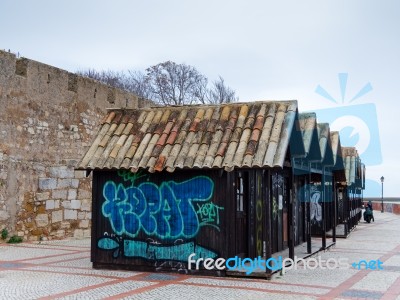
(15, 239)
(4, 234)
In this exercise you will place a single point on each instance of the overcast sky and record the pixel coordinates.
(263, 49)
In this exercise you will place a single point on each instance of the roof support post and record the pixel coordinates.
(334, 206)
(268, 213)
(323, 190)
(292, 194)
(308, 211)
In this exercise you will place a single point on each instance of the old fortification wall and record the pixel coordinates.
(47, 119)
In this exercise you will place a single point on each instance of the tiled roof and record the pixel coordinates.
(217, 136)
(351, 161)
(336, 150)
(308, 127)
(325, 144)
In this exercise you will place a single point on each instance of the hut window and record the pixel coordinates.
(240, 192)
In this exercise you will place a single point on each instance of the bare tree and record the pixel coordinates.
(167, 83)
(176, 84)
(116, 79)
(220, 93)
(138, 83)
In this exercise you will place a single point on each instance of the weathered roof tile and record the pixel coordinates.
(215, 136)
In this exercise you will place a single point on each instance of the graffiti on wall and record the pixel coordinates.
(171, 212)
(208, 214)
(315, 204)
(166, 211)
(277, 194)
(153, 250)
(259, 217)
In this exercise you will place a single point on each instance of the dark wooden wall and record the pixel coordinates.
(155, 220)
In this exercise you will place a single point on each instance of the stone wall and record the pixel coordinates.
(48, 117)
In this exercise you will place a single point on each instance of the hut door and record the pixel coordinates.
(241, 188)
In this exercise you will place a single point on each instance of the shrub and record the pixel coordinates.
(4, 234)
(15, 239)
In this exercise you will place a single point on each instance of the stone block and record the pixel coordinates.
(47, 183)
(59, 194)
(76, 204)
(75, 183)
(59, 233)
(86, 205)
(89, 215)
(70, 214)
(86, 233)
(84, 224)
(61, 172)
(37, 231)
(64, 183)
(4, 215)
(65, 225)
(56, 216)
(78, 233)
(42, 220)
(72, 194)
(81, 215)
(80, 174)
(42, 196)
(50, 204)
(84, 194)
(66, 203)
(41, 209)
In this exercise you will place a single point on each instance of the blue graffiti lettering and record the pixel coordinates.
(152, 251)
(164, 211)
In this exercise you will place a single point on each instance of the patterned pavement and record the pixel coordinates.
(62, 270)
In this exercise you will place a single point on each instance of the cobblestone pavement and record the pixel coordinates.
(62, 270)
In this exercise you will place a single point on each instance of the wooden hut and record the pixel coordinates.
(212, 180)
(352, 188)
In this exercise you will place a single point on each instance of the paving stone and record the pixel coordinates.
(362, 294)
(62, 269)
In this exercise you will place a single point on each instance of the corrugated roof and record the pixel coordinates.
(225, 136)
